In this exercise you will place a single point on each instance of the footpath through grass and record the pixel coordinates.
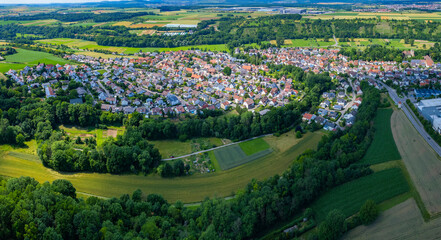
(349, 197)
(383, 147)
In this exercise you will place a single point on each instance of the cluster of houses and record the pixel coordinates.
(166, 83)
(173, 83)
(330, 119)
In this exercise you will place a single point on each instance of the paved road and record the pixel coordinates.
(211, 149)
(413, 119)
(105, 89)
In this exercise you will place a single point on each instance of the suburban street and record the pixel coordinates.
(413, 119)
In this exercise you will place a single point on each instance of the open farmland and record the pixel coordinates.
(422, 16)
(90, 45)
(422, 163)
(349, 197)
(403, 221)
(188, 189)
(33, 57)
(25, 58)
(383, 147)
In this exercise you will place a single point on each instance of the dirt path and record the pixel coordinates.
(421, 161)
(404, 221)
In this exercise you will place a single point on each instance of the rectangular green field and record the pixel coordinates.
(254, 146)
(349, 197)
(233, 156)
(34, 57)
(383, 147)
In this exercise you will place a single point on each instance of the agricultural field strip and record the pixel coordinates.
(233, 156)
(350, 196)
(422, 163)
(403, 221)
(383, 147)
(211, 149)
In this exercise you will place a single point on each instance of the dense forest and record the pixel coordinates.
(374, 53)
(384, 53)
(74, 17)
(31, 210)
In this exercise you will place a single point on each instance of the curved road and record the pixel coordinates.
(413, 119)
(211, 149)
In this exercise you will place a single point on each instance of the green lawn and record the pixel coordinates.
(383, 147)
(175, 148)
(254, 146)
(188, 189)
(100, 134)
(4, 67)
(233, 156)
(29, 57)
(349, 197)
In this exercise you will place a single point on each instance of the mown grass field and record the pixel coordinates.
(349, 197)
(34, 57)
(188, 189)
(254, 146)
(233, 156)
(175, 148)
(422, 162)
(403, 221)
(25, 58)
(383, 147)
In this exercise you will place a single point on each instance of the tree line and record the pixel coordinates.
(52, 211)
(237, 31)
(127, 153)
(384, 53)
(74, 17)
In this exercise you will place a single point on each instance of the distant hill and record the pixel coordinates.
(205, 3)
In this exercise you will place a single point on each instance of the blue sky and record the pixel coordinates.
(44, 1)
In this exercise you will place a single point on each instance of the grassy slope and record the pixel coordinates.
(383, 146)
(169, 148)
(187, 189)
(34, 57)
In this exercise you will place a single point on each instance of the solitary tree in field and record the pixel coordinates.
(368, 212)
